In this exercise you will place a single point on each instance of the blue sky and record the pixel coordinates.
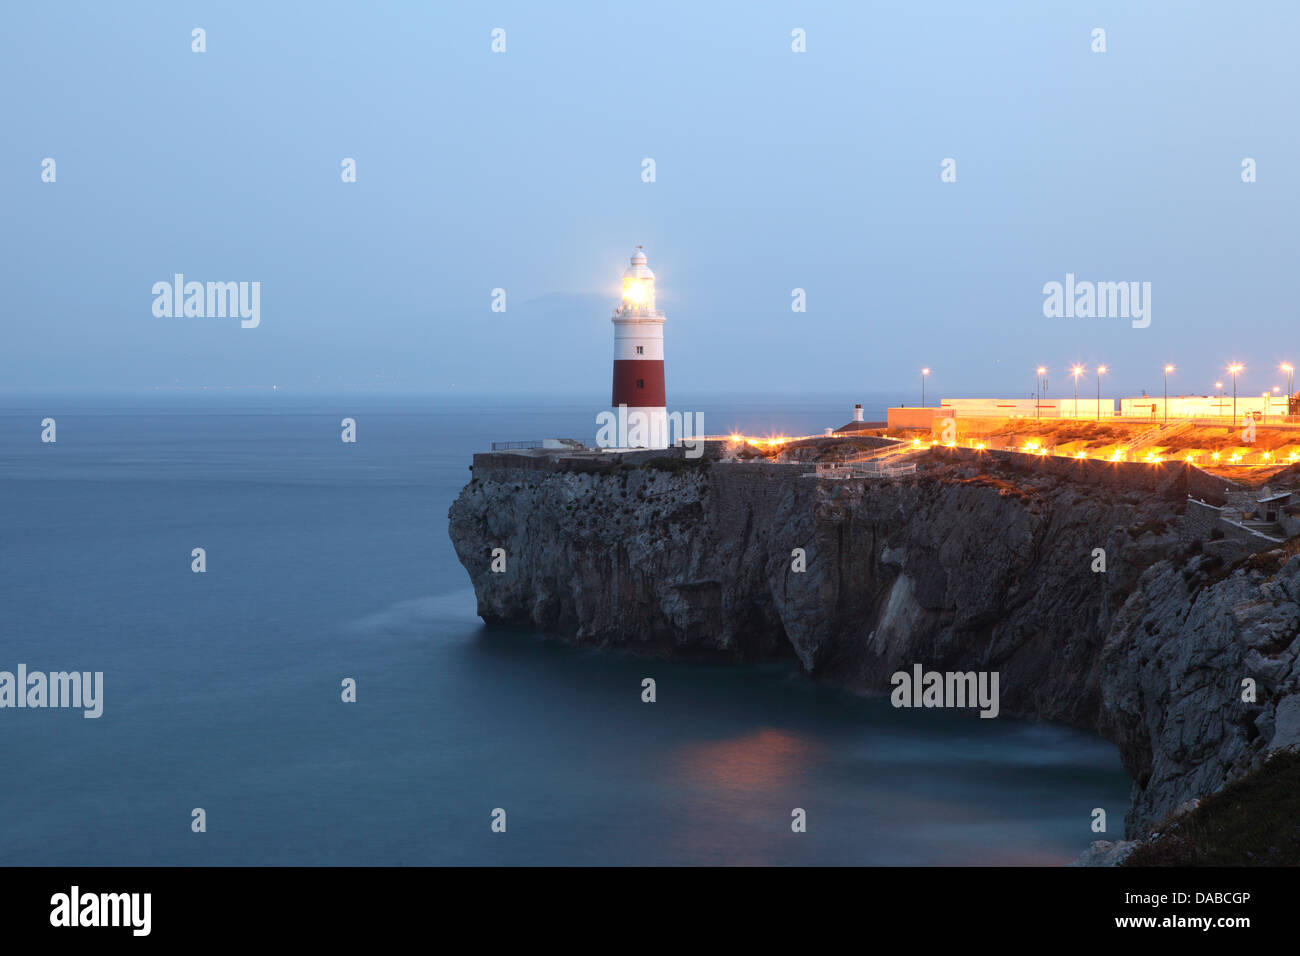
(522, 170)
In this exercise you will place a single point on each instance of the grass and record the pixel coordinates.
(1271, 561)
(1100, 438)
(677, 465)
(1254, 821)
(1005, 489)
(1150, 527)
(1214, 569)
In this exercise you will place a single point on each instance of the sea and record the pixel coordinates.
(329, 562)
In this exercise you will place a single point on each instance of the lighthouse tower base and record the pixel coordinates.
(636, 427)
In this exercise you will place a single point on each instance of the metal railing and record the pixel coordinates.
(1155, 436)
(515, 445)
(860, 469)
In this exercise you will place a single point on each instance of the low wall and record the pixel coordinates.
(594, 461)
(1173, 479)
(1208, 487)
(1198, 523)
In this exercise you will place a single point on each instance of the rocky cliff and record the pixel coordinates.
(968, 565)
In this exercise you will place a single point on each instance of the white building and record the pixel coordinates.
(1203, 406)
(1091, 407)
(1145, 407)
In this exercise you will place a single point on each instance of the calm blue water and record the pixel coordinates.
(327, 561)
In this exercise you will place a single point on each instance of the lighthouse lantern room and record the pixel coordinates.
(639, 356)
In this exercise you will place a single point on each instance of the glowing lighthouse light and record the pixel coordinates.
(639, 358)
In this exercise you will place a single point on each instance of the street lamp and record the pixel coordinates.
(1101, 370)
(1168, 369)
(1234, 369)
(1290, 383)
(1038, 392)
(924, 373)
(1076, 371)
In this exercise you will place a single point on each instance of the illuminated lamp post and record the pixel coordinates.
(1076, 372)
(1234, 369)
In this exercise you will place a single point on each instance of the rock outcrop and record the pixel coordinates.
(1105, 853)
(1201, 677)
(968, 565)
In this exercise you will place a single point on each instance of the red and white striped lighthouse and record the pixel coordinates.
(639, 356)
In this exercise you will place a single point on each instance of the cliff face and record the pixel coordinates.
(962, 567)
(1174, 665)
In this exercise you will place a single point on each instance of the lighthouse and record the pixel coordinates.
(639, 357)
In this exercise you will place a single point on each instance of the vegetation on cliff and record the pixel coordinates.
(1253, 821)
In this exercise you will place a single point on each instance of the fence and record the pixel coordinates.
(515, 445)
(860, 469)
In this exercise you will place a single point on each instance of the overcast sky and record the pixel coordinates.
(522, 170)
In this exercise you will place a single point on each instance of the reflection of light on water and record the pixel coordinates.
(757, 761)
(738, 798)
(416, 615)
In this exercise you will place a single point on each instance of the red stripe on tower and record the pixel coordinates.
(639, 353)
